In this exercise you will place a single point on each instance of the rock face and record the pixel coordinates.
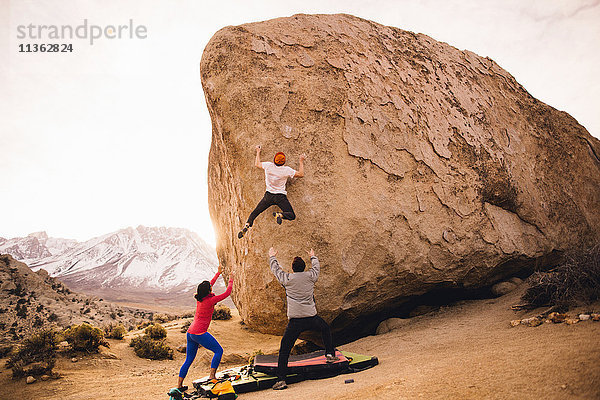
(428, 167)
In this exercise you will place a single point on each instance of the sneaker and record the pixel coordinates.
(279, 217)
(279, 385)
(330, 358)
(182, 389)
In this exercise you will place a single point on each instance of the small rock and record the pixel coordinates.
(390, 324)
(584, 317)
(572, 321)
(182, 349)
(563, 386)
(536, 322)
(63, 346)
(74, 359)
(110, 356)
(516, 281)
(595, 316)
(515, 322)
(533, 321)
(421, 310)
(502, 288)
(557, 318)
(30, 379)
(45, 377)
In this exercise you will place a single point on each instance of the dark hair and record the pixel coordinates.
(298, 264)
(203, 290)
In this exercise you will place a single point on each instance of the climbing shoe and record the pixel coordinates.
(279, 217)
(279, 385)
(243, 231)
(330, 358)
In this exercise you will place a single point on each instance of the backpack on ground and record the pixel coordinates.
(222, 390)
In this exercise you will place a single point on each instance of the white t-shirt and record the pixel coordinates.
(276, 177)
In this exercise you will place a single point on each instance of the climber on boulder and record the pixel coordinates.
(276, 176)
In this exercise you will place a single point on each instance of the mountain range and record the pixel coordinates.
(139, 265)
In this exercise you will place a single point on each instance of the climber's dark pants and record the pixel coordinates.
(270, 199)
(294, 328)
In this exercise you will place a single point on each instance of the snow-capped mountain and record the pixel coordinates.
(130, 264)
(34, 246)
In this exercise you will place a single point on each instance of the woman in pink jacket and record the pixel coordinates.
(197, 334)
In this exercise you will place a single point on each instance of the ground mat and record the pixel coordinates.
(261, 374)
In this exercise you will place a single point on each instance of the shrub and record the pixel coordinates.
(85, 337)
(5, 350)
(146, 347)
(575, 281)
(21, 310)
(222, 313)
(144, 324)
(115, 331)
(162, 318)
(254, 354)
(156, 331)
(185, 326)
(38, 352)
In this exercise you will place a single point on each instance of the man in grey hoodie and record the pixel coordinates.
(301, 310)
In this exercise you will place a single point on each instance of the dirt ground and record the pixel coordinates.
(466, 351)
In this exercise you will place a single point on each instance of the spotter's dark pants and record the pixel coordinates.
(270, 199)
(294, 328)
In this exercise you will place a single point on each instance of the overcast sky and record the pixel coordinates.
(117, 134)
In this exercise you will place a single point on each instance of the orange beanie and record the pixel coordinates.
(279, 158)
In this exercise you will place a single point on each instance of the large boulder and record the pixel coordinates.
(429, 168)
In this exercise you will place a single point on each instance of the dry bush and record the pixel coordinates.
(5, 350)
(575, 281)
(146, 347)
(253, 356)
(36, 355)
(162, 318)
(222, 313)
(156, 331)
(115, 331)
(85, 337)
(143, 324)
(185, 326)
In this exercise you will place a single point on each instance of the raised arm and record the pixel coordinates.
(316, 266)
(227, 291)
(257, 162)
(214, 279)
(300, 172)
(280, 274)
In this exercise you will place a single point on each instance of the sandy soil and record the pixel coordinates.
(467, 351)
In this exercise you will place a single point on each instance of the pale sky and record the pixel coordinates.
(117, 133)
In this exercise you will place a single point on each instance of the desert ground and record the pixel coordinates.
(464, 351)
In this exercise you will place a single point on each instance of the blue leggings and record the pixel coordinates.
(205, 340)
